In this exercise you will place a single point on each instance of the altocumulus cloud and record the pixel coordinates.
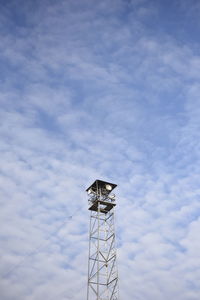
(99, 90)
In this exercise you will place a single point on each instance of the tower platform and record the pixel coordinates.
(105, 206)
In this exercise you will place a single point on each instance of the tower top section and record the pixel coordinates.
(100, 185)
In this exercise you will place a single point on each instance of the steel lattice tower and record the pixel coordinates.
(102, 265)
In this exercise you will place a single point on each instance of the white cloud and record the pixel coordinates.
(89, 92)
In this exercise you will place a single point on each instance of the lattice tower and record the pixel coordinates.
(102, 264)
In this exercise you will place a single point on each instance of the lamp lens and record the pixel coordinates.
(108, 187)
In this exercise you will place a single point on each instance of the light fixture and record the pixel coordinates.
(89, 191)
(108, 187)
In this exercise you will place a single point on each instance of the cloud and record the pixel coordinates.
(93, 90)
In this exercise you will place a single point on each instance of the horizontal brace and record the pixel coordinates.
(96, 238)
(96, 217)
(102, 261)
(104, 240)
(91, 282)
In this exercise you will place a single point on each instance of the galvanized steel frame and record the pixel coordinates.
(102, 265)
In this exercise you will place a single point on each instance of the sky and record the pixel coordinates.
(99, 90)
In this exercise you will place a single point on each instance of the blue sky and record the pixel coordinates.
(99, 90)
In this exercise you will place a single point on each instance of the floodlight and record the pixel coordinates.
(89, 191)
(108, 187)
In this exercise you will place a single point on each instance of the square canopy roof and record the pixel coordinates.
(101, 184)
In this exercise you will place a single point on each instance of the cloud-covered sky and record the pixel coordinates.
(99, 90)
